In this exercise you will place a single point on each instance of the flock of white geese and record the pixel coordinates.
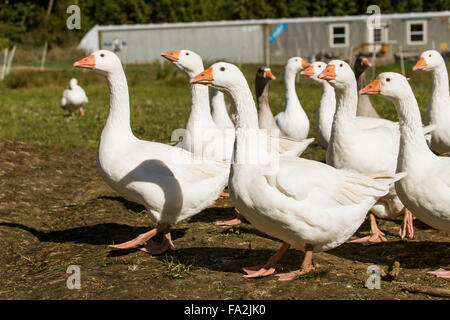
(372, 164)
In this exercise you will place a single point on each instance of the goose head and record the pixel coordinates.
(102, 61)
(390, 85)
(296, 64)
(429, 60)
(264, 75)
(339, 74)
(223, 76)
(185, 60)
(361, 65)
(73, 83)
(314, 70)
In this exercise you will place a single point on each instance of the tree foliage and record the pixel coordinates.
(24, 21)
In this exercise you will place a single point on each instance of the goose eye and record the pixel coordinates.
(341, 65)
(222, 69)
(319, 66)
(187, 53)
(429, 55)
(388, 79)
(102, 55)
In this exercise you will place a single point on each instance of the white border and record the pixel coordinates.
(330, 35)
(408, 32)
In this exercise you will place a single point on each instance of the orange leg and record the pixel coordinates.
(305, 268)
(269, 267)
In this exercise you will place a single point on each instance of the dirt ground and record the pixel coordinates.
(55, 211)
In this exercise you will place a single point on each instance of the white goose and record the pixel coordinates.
(327, 107)
(363, 150)
(307, 204)
(202, 130)
(293, 121)
(202, 135)
(219, 110)
(438, 112)
(73, 98)
(426, 188)
(170, 182)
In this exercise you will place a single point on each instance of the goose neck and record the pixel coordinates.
(413, 145)
(440, 81)
(118, 121)
(290, 95)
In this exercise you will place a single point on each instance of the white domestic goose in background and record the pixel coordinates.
(365, 107)
(202, 135)
(217, 142)
(219, 110)
(266, 119)
(426, 188)
(173, 184)
(73, 98)
(438, 112)
(305, 203)
(293, 121)
(327, 106)
(363, 150)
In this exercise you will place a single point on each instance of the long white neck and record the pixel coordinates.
(218, 107)
(118, 121)
(327, 108)
(291, 102)
(246, 123)
(413, 147)
(440, 94)
(346, 105)
(200, 109)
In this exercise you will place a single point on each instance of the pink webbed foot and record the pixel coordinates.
(232, 222)
(442, 272)
(292, 275)
(259, 272)
(407, 227)
(270, 267)
(154, 248)
(376, 236)
(371, 240)
(225, 194)
(306, 267)
(139, 240)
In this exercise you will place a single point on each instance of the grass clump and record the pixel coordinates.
(175, 269)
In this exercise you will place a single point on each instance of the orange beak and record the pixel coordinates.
(305, 64)
(171, 56)
(329, 73)
(420, 64)
(371, 88)
(204, 77)
(366, 62)
(268, 74)
(308, 72)
(88, 62)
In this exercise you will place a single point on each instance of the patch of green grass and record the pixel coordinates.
(175, 269)
(236, 231)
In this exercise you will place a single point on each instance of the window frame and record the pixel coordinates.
(409, 33)
(346, 35)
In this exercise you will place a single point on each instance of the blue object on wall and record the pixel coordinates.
(277, 31)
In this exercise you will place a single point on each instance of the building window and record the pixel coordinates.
(416, 31)
(377, 35)
(339, 35)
